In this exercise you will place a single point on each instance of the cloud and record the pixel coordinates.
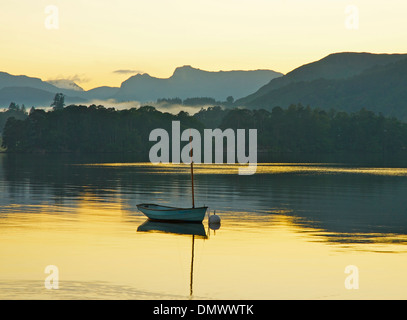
(127, 71)
(80, 78)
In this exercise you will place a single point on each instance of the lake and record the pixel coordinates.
(288, 232)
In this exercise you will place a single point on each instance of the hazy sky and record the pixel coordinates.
(94, 38)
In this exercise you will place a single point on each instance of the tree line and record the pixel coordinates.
(14, 110)
(303, 129)
(78, 128)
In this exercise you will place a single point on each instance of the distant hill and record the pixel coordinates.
(188, 82)
(344, 81)
(31, 97)
(24, 95)
(101, 93)
(32, 91)
(8, 80)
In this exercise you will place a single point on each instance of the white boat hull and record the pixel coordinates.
(165, 213)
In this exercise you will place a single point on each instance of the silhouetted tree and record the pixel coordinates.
(230, 100)
(59, 101)
(13, 106)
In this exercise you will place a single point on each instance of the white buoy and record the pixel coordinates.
(214, 219)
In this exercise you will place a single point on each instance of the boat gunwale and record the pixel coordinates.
(169, 208)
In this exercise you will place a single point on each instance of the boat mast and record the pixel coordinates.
(191, 279)
(192, 173)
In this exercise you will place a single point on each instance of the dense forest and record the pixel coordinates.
(302, 129)
(88, 129)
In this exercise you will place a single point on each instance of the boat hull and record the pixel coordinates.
(164, 213)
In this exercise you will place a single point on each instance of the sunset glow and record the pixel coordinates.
(96, 38)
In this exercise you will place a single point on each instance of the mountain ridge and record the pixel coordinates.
(355, 85)
(327, 68)
(188, 82)
(345, 81)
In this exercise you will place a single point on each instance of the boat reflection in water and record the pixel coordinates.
(195, 230)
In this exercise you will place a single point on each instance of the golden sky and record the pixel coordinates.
(94, 38)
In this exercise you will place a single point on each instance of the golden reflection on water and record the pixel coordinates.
(100, 254)
(262, 168)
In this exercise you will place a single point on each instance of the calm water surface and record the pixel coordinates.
(287, 232)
